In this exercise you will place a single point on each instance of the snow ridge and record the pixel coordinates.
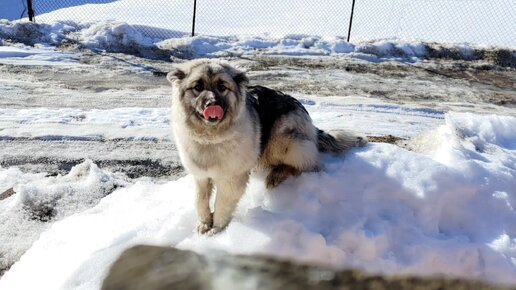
(116, 36)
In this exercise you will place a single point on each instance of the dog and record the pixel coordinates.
(224, 129)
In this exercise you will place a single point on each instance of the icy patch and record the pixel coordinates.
(40, 200)
(381, 208)
(154, 123)
(37, 56)
(8, 51)
(78, 124)
(402, 121)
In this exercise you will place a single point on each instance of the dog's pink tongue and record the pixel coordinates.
(214, 112)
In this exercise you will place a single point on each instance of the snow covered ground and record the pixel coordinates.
(78, 119)
(35, 56)
(446, 208)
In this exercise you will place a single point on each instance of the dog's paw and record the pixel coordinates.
(273, 180)
(361, 141)
(279, 174)
(203, 228)
(214, 230)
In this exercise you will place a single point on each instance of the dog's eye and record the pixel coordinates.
(221, 87)
(199, 87)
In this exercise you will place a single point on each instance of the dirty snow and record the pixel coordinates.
(40, 199)
(117, 36)
(446, 209)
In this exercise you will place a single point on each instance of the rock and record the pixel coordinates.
(152, 268)
(7, 193)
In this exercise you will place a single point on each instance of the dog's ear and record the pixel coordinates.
(240, 78)
(175, 74)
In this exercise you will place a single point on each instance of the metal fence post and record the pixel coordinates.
(193, 19)
(351, 19)
(30, 11)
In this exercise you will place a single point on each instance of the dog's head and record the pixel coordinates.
(211, 93)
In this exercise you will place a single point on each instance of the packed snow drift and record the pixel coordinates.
(115, 36)
(444, 207)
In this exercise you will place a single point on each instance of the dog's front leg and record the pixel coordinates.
(204, 188)
(229, 192)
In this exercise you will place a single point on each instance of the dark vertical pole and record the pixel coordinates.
(351, 19)
(193, 21)
(30, 11)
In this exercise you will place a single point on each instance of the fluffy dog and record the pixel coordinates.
(224, 128)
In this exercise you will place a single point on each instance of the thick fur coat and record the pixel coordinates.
(224, 128)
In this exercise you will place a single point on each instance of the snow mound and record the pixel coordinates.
(448, 210)
(114, 36)
(32, 33)
(40, 200)
(498, 132)
(60, 196)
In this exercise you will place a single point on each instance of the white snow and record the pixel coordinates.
(113, 34)
(36, 56)
(154, 123)
(123, 37)
(7, 51)
(38, 199)
(332, 112)
(404, 121)
(79, 124)
(445, 208)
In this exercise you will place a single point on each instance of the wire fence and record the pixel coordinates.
(151, 19)
(490, 22)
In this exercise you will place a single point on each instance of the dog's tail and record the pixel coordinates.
(338, 141)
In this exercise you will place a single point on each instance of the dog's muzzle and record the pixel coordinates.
(213, 112)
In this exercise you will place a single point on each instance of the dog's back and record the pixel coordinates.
(290, 143)
(271, 105)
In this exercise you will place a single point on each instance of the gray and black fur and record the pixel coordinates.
(261, 128)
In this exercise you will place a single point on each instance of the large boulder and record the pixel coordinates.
(150, 268)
